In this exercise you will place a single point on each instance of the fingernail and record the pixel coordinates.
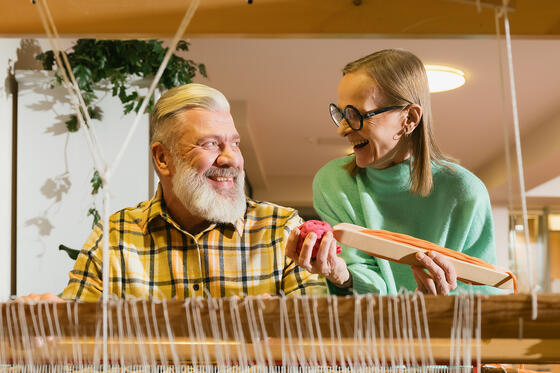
(419, 255)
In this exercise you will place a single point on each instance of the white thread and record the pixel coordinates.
(215, 329)
(225, 336)
(519, 153)
(358, 352)
(478, 332)
(504, 122)
(190, 331)
(72, 91)
(300, 351)
(253, 331)
(310, 334)
(413, 361)
(238, 332)
(180, 31)
(382, 331)
(24, 335)
(264, 333)
(371, 336)
(199, 329)
(343, 358)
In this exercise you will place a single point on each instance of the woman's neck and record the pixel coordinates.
(399, 154)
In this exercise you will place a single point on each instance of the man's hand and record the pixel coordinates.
(440, 278)
(327, 263)
(34, 298)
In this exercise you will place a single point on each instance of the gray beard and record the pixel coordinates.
(201, 199)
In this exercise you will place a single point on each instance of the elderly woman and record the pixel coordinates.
(397, 180)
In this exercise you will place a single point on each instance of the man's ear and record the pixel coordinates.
(163, 162)
(413, 118)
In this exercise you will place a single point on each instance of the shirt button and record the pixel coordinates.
(195, 287)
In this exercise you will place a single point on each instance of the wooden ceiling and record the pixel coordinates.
(282, 18)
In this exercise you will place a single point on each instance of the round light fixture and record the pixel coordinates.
(444, 78)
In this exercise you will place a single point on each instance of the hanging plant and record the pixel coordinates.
(116, 62)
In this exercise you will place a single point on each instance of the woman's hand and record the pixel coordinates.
(440, 278)
(327, 263)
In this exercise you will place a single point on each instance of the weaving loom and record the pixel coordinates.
(362, 333)
(369, 333)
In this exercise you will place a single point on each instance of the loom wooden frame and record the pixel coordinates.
(509, 334)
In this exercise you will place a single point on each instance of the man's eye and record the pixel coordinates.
(236, 144)
(211, 144)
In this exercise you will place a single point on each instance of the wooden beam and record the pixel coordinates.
(509, 334)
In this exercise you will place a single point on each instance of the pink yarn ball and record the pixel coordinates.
(319, 228)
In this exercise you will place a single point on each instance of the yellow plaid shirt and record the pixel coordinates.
(151, 256)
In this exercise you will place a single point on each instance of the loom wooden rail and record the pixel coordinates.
(509, 335)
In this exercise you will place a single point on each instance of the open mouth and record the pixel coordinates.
(360, 145)
(222, 181)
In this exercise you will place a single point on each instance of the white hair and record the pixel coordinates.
(177, 100)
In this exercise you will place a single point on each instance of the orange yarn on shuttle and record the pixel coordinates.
(429, 246)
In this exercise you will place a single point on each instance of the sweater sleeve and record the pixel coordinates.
(333, 203)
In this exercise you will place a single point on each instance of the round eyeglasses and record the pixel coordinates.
(353, 117)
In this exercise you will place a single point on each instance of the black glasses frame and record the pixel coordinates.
(367, 115)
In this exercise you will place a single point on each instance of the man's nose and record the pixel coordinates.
(229, 156)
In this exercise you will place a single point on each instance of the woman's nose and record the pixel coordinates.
(343, 129)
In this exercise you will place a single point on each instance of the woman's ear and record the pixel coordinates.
(413, 118)
(162, 159)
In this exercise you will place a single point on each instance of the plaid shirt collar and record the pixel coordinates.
(157, 209)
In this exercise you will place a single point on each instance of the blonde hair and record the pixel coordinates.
(177, 100)
(402, 79)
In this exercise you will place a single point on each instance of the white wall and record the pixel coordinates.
(9, 55)
(54, 169)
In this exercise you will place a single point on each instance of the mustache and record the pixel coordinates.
(222, 172)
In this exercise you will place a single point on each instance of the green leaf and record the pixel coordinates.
(96, 183)
(47, 59)
(95, 112)
(72, 253)
(128, 107)
(202, 70)
(72, 123)
(96, 217)
(182, 45)
(83, 77)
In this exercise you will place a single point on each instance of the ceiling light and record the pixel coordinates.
(444, 78)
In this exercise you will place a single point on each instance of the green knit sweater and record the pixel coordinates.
(455, 215)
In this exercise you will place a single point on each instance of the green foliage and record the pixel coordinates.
(95, 112)
(72, 123)
(95, 215)
(72, 253)
(114, 62)
(96, 182)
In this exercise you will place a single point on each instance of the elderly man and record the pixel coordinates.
(199, 235)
